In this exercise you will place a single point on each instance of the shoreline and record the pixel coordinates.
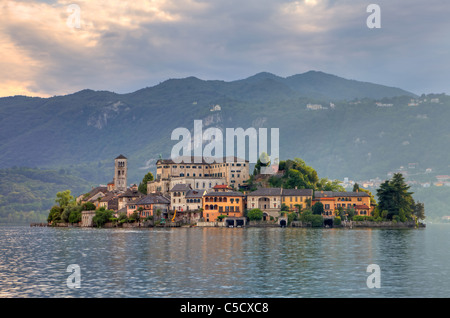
(343, 225)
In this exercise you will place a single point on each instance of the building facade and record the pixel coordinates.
(332, 201)
(270, 200)
(150, 205)
(227, 203)
(120, 173)
(201, 173)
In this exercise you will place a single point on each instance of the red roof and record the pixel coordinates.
(221, 186)
(362, 206)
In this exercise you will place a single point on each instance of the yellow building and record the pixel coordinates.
(228, 203)
(295, 198)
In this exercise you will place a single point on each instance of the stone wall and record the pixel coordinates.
(211, 224)
(384, 224)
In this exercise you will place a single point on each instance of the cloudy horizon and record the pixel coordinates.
(123, 46)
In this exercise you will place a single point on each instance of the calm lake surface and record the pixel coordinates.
(224, 262)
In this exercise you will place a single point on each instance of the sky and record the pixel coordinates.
(60, 47)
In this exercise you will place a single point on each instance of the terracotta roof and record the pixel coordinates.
(362, 206)
(221, 186)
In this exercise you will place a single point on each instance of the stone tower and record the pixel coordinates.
(120, 173)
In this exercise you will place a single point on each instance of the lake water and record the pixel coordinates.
(224, 262)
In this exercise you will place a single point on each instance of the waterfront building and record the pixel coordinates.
(149, 205)
(270, 200)
(227, 203)
(87, 218)
(359, 201)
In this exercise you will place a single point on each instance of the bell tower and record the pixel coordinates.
(120, 173)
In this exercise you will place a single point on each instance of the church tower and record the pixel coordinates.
(120, 173)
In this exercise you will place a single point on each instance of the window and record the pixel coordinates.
(327, 206)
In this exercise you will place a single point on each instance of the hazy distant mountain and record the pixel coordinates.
(84, 131)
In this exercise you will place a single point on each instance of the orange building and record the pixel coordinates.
(229, 203)
(359, 201)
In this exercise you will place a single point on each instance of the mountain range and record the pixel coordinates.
(89, 128)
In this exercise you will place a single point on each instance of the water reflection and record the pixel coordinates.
(222, 262)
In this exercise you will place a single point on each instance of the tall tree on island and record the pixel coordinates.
(395, 198)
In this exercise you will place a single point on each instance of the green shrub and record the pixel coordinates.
(255, 215)
(315, 220)
(102, 216)
(337, 220)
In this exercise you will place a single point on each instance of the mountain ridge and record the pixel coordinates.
(88, 127)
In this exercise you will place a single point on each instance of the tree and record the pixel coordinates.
(55, 214)
(102, 216)
(326, 185)
(255, 215)
(88, 206)
(317, 208)
(350, 212)
(259, 163)
(296, 174)
(143, 185)
(122, 218)
(284, 207)
(75, 216)
(419, 211)
(64, 198)
(394, 197)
